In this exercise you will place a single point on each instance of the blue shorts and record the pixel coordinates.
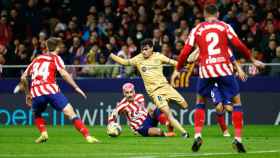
(220, 89)
(217, 97)
(58, 101)
(149, 123)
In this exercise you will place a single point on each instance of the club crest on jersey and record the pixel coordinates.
(159, 98)
(144, 68)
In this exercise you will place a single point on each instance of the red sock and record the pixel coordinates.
(221, 121)
(237, 120)
(162, 119)
(40, 124)
(170, 128)
(79, 125)
(199, 117)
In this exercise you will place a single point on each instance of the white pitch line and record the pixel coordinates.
(220, 154)
(144, 157)
(136, 155)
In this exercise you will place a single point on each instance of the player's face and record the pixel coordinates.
(128, 94)
(147, 51)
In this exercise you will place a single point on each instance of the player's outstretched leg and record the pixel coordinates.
(174, 122)
(162, 119)
(237, 120)
(41, 125)
(79, 125)
(199, 117)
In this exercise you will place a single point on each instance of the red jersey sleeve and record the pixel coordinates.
(59, 64)
(189, 43)
(237, 43)
(28, 69)
(140, 99)
(113, 116)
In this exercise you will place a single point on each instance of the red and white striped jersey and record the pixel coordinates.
(42, 70)
(135, 112)
(212, 40)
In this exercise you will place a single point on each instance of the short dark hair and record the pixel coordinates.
(53, 43)
(211, 9)
(147, 42)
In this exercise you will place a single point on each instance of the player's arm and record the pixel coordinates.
(115, 113)
(175, 73)
(24, 84)
(241, 74)
(25, 87)
(140, 99)
(193, 56)
(241, 47)
(113, 117)
(185, 52)
(183, 56)
(60, 67)
(119, 60)
(167, 60)
(190, 67)
(67, 77)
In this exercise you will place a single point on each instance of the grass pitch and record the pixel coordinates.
(65, 142)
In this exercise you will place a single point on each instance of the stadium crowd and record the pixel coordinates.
(91, 30)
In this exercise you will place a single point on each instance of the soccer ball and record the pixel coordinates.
(114, 129)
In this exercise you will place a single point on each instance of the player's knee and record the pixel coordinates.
(69, 111)
(219, 108)
(154, 132)
(228, 108)
(236, 99)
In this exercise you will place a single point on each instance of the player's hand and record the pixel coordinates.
(193, 56)
(28, 100)
(175, 74)
(258, 63)
(78, 90)
(18, 88)
(241, 74)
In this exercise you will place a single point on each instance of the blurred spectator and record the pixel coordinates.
(178, 47)
(22, 55)
(270, 51)
(64, 54)
(5, 31)
(77, 51)
(35, 48)
(123, 71)
(106, 26)
(131, 46)
(17, 24)
(275, 70)
(157, 39)
(3, 51)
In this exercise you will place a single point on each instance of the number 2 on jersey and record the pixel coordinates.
(41, 69)
(213, 38)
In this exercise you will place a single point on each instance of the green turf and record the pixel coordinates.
(17, 141)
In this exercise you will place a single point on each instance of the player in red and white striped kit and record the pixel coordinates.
(140, 119)
(215, 66)
(44, 90)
